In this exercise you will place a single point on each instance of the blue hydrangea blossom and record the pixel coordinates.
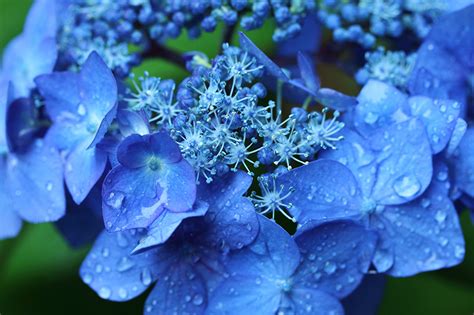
(188, 265)
(82, 106)
(306, 274)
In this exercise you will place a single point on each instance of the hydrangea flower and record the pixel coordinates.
(393, 67)
(381, 104)
(151, 180)
(443, 66)
(31, 188)
(188, 265)
(307, 274)
(218, 122)
(384, 183)
(34, 51)
(82, 106)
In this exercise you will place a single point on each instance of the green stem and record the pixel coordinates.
(306, 103)
(279, 98)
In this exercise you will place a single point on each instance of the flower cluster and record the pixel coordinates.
(219, 125)
(214, 190)
(112, 27)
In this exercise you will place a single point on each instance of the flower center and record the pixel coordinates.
(154, 164)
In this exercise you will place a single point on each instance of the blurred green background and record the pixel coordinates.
(39, 272)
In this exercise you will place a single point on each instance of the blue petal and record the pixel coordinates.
(367, 298)
(115, 275)
(463, 163)
(162, 229)
(245, 295)
(131, 198)
(232, 218)
(41, 21)
(336, 255)
(103, 126)
(273, 254)
(380, 105)
(453, 31)
(335, 100)
(4, 88)
(131, 122)
(62, 140)
(439, 118)
(310, 78)
(181, 291)
(270, 67)
(35, 183)
(437, 74)
(134, 198)
(99, 92)
(34, 52)
(83, 169)
(164, 147)
(134, 151)
(458, 133)
(24, 60)
(404, 162)
(88, 97)
(10, 222)
(256, 272)
(355, 153)
(314, 302)
(444, 61)
(420, 236)
(61, 91)
(179, 182)
(323, 189)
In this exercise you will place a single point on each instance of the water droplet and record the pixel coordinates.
(330, 267)
(115, 199)
(371, 118)
(87, 277)
(198, 299)
(311, 257)
(440, 216)
(459, 251)
(105, 292)
(442, 175)
(49, 186)
(145, 277)
(99, 268)
(425, 203)
(443, 241)
(122, 293)
(81, 109)
(122, 240)
(105, 252)
(406, 186)
(125, 264)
